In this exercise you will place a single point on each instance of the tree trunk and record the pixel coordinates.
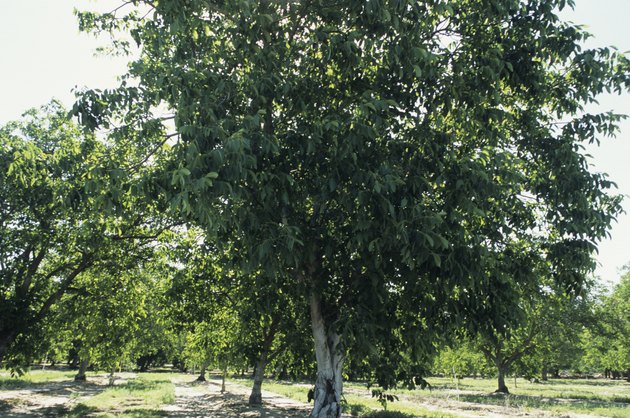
(255, 398)
(328, 386)
(112, 376)
(501, 379)
(223, 378)
(202, 372)
(6, 339)
(80, 377)
(543, 374)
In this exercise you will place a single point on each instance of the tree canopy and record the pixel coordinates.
(391, 155)
(402, 166)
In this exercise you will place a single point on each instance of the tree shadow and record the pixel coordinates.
(34, 399)
(229, 405)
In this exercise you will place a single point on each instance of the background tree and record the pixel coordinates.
(461, 360)
(65, 207)
(606, 345)
(374, 150)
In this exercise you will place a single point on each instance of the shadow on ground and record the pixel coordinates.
(47, 399)
(228, 405)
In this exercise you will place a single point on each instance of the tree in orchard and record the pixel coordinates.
(64, 208)
(510, 341)
(383, 153)
(565, 321)
(606, 345)
(203, 301)
(109, 312)
(239, 316)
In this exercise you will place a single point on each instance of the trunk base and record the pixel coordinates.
(255, 399)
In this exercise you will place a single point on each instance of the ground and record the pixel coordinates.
(60, 396)
(192, 399)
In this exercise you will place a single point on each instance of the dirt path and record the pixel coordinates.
(206, 400)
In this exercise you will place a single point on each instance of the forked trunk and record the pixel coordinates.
(81, 377)
(255, 398)
(328, 386)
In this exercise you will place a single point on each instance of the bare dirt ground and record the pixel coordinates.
(193, 399)
(206, 400)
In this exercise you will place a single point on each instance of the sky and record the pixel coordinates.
(43, 56)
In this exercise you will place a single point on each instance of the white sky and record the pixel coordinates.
(43, 55)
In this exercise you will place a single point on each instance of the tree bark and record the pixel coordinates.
(223, 378)
(255, 398)
(81, 377)
(6, 339)
(202, 372)
(501, 379)
(329, 385)
(112, 376)
(543, 374)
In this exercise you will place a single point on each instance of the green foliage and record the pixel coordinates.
(461, 360)
(48, 236)
(66, 206)
(384, 398)
(606, 345)
(390, 161)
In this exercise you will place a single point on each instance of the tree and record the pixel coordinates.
(462, 360)
(374, 150)
(111, 312)
(229, 313)
(606, 345)
(65, 207)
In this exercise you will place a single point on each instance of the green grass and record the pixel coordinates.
(596, 397)
(356, 405)
(140, 397)
(602, 397)
(33, 378)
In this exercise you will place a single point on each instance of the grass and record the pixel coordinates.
(140, 397)
(356, 405)
(602, 397)
(33, 378)
(596, 397)
(143, 397)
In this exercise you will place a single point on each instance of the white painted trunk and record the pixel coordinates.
(329, 385)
